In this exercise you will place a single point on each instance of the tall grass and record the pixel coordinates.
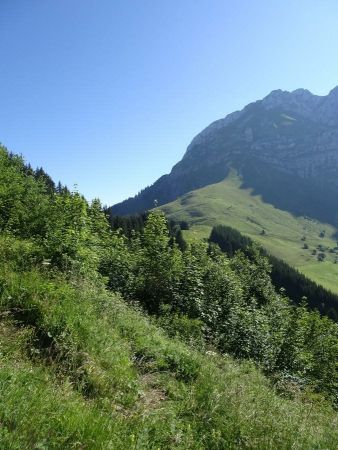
(81, 369)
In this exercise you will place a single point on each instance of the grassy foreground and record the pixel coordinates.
(284, 235)
(81, 369)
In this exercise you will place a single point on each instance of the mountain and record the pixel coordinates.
(284, 147)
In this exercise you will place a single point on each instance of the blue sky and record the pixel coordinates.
(107, 94)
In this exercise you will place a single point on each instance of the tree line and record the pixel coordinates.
(296, 285)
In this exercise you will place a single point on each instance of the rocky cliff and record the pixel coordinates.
(285, 146)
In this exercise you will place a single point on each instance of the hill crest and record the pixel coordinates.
(286, 139)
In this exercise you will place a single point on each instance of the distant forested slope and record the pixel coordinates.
(296, 285)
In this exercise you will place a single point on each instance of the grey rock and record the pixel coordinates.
(293, 131)
(285, 140)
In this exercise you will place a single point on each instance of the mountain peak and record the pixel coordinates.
(293, 134)
(300, 92)
(300, 100)
(276, 93)
(280, 93)
(334, 92)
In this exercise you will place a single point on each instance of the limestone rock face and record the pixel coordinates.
(296, 132)
(288, 141)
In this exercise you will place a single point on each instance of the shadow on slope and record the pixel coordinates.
(290, 192)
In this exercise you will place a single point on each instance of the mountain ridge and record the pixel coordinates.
(274, 98)
(289, 137)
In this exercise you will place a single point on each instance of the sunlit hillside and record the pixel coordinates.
(297, 240)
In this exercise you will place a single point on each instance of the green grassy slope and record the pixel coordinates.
(226, 203)
(80, 369)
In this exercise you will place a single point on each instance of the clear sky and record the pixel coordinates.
(107, 94)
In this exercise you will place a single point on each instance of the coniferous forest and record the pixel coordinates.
(116, 333)
(297, 286)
